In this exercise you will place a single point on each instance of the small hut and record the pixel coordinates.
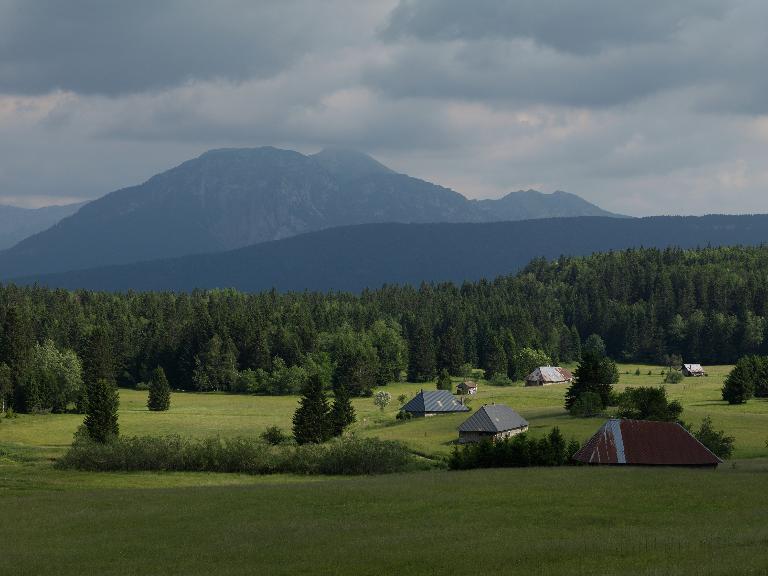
(432, 402)
(467, 387)
(645, 443)
(547, 375)
(693, 370)
(492, 421)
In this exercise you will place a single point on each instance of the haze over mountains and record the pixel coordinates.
(232, 198)
(19, 223)
(353, 258)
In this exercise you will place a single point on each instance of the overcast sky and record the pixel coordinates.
(643, 107)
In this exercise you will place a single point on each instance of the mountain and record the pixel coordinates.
(353, 258)
(19, 223)
(232, 198)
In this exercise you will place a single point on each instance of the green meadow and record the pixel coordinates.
(526, 521)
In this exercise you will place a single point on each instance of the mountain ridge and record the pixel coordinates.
(353, 258)
(233, 197)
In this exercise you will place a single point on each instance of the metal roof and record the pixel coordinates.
(493, 418)
(550, 374)
(644, 442)
(435, 401)
(693, 367)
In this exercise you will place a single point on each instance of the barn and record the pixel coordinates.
(434, 402)
(467, 387)
(645, 443)
(492, 421)
(546, 375)
(693, 370)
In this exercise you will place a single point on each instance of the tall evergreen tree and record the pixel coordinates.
(97, 357)
(421, 360)
(15, 350)
(444, 381)
(342, 413)
(311, 421)
(159, 399)
(595, 373)
(101, 412)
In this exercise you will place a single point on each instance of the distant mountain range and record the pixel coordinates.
(352, 258)
(231, 198)
(19, 223)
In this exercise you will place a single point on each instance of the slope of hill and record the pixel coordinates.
(367, 256)
(231, 198)
(19, 223)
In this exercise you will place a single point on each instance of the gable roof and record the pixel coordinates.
(644, 442)
(493, 418)
(435, 401)
(693, 367)
(550, 374)
(468, 384)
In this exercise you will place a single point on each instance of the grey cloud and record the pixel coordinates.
(115, 47)
(582, 26)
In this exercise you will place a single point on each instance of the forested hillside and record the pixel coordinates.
(708, 305)
(352, 258)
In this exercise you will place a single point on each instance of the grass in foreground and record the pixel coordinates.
(527, 521)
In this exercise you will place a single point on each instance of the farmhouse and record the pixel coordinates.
(546, 375)
(434, 402)
(693, 370)
(467, 387)
(645, 443)
(494, 421)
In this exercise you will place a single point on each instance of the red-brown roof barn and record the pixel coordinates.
(645, 443)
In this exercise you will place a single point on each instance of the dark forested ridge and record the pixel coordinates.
(709, 305)
(230, 198)
(353, 258)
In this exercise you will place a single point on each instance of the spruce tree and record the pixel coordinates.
(595, 373)
(101, 411)
(342, 413)
(159, 399)
(739, 386)
(311, 421)
(444, 381)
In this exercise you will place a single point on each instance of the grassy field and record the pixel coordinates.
(532, 521)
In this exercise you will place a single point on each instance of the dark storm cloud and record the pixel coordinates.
(114, 47)
(581, 26)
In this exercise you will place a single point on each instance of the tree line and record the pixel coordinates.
(708, 305)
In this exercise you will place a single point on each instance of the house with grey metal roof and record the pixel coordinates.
(546, 375)
(492, 421)
(432, 402)
(693, 370)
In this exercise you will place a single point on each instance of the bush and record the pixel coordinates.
(403, 415)
(648, 403)
(673, 377)
(587, 405)
(141, 386)
(501, 380)
(516, 452)
(274, 435)
(351, 456)
(716, 440)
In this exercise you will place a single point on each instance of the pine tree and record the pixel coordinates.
(421, 360)
(739, 386)
(595, 373)
(444, 381)
(311, 421)
(342, 413)
(495, 358)
(101, 412)
(15, 350)
(159, 399)
(97, 357)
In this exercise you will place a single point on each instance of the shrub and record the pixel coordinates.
(716, 440)
(587, 405)
(648, 403)
(637, 372)
(402, 399)
(351, 456)
(141, 386)
(274, 435)
(403, 415)
(673, 377)
(382, 399)
(501, 380)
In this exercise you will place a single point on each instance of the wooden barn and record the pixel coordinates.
(434, 402)
(693, 370)
(547, 375)
(645, 443)
(467, 387)
(492, 421)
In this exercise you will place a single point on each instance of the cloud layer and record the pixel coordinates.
(643, 107)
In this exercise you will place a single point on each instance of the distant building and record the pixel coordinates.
(492, 421)
(645, 443)
(546, 375)
(467, 387)
(432, 402)
(693, 370)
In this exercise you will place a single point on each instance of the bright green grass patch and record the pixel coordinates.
(526, 521)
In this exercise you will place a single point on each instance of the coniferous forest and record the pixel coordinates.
(706, 305)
